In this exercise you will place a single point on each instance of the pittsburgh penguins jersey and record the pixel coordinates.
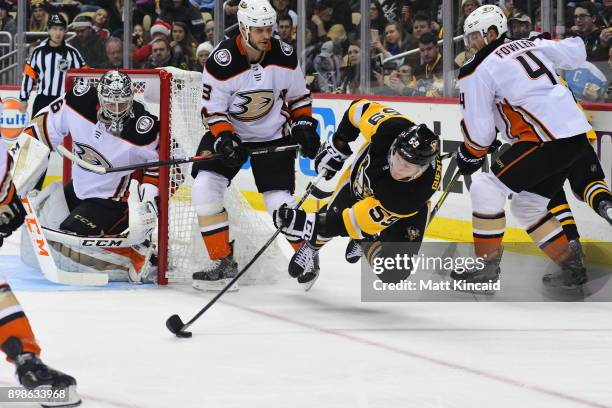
(381, 200)
(254, 100)
(77, 113)
(512, 86)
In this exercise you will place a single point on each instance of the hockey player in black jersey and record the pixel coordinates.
(383, 197)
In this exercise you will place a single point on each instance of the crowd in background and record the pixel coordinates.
(179, 33)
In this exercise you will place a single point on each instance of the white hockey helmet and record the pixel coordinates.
(116, 98)
(255, 13)
(483, 18)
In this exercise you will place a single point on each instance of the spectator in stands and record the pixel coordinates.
(342, 15)
(327, 69)
(284, 25)
(87, 42)
(202, 54)
(7, 22)
(467, 6)
(230, 11)
(100, 21)
(585, 18)
(393, 42)
(350, 69)
(114, 16)
(283, 10)
(430, 70)
(377, 17)
(182, 10)
(337, 34)
(606, 14)
(160, 29)
(321, 19)
(391, 8)
(39, 17)
(402, 81)
(209, 31)
(204, 5)
(114, 53)
(183, 43)
(143, 8)
(160, 53)
(519, 26)
(421, 24)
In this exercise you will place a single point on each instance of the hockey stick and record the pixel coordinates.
(174, 322)
(103, 170)
(42, 250)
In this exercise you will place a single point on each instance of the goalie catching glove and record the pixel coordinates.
(228, 144)
(304, 133)
(142, 211)
(331, 159)
(12, 213)
(296, 224)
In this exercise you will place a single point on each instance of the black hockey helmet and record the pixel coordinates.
(56, 20)
(417, 145)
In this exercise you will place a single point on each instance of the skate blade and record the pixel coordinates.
(74, 400)
(308, 285)
(214, 286)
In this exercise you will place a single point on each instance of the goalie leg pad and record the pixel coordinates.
(30, 161)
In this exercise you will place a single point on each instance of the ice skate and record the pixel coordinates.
(218, 276)
(489, 274)
(304, 265)
(572, 274)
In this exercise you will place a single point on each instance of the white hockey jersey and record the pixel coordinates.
(512, 86)
(76, 113)
(253, 100)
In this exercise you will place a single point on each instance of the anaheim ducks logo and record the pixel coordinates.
(253, 105)
(90, 155)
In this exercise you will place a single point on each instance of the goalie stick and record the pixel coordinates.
(174, 322)
(103, 170)
(42, 251)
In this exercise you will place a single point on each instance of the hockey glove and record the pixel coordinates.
(149, 194)
(294, 223)
(304, 133)
(142, 219)
(330, 158)
(12, 213)
(229, 145)
(605, 210)
(468, 163)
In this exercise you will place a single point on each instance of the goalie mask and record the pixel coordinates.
(116, 98)
(412, 152)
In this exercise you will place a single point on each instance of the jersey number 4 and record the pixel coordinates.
(539, 71)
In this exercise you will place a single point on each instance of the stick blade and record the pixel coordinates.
(175, 325)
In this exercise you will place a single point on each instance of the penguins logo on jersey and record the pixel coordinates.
(253, 104)
(90, 155)
(361, 181)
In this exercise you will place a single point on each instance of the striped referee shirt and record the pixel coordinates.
(48, 66)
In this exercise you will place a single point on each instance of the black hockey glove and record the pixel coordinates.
(296, 224)
(12, 213)
(229, 145)
(331, 159)
(304, 133)
(468, 163)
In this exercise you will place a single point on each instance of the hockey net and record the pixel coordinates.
(174, 96)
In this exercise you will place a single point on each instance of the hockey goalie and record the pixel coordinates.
(109, 128)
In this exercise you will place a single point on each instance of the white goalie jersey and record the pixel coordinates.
(253, 100)
(5, 177)
(512, 86)
(76, 114)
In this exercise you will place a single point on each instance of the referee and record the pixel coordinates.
(47, 66)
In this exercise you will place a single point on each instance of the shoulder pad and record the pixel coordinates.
(281, 54)
(83, 98)
(226, 61)
(470, 65)
(142, 127)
